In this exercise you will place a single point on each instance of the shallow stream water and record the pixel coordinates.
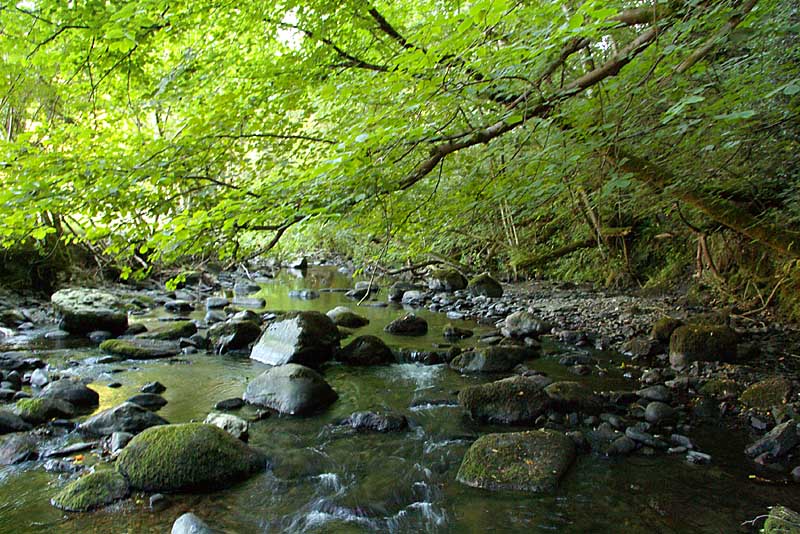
(324, 479)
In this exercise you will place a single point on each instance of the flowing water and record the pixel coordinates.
(324, 479)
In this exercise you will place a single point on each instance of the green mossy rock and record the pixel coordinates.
(764, 395)
(171, 332)
(140, 349)
(531, 461)
(92, 491)
(187, 457)
(40, 410)
(663, 328)
(448, 280)
(85, 310)
(514, 400)
(721, 388)
(485, 285)
(782, 520)
(693, 343)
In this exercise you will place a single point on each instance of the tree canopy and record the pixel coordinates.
(493, 131)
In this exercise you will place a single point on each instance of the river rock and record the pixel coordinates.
(178, 306)
(306, 338)
(376, 421)
(407, 325)
(524, 324)
(658, 412)
(189, 523)
(18, 448)
(187, 457)
(344, 316)
(228, 405)
(514, 400)
(127, 417)
(39, 378)
(413, 297)
(497, 359)
(153, 387)
(453, 332)
(40, 410)
(366, 350)
(151, 401)
(485, 285)
(778, 441)
(532, 461)
(763, 395)
(621, 446)
(118, 440)
(567, 396)
(216, 303)
(11, 422)
(292, 389)
(692, 343)
(141, 349)
(235, 426)
(73, 391)
(84, 310)
(171, 331)
(655, 393)
(447, 280)
(663, 328)
(233, 335)
(304, 294)
(398, 289)
(245, 287)
(91, 491)
(254, 303)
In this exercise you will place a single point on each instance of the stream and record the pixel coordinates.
(326, 479)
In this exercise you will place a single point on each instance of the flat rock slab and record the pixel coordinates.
(127, 417)
(141, 349)
(531, 461)
(86, 310)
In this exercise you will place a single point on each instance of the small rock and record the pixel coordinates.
(153, 387)
(118, 441)
(229, 404)
(697, 457)
(655, 393)
(151, 401)
(658, 412)
(189, 523)
(157, 501)
(235, 426)
(407, 325)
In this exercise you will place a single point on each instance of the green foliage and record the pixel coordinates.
(161, 131)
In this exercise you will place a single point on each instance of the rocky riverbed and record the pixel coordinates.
(528, 383)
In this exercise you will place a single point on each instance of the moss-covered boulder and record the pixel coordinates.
(85, 310)
(187, 457)
(782, 520)
(531, 461)
(663, 328)
(448, 280)
(366, 350)
(721, 388)
(485, 285)
(514, 400)
(171, 331)
(764, 395)
(691, 343)
(141, 349)
(498, 359)
(91, 491)
(40, 410)
(291, 389)
(568, 396)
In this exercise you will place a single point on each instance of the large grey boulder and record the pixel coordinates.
(86, 310)
(531, 461)
(127, 417)
(514, 400)
(524, 324)
(292, 389)
(71, 390)
(189, 523)
(306, 338)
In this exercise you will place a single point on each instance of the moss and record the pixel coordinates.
(663, 329)
(140, 349)
(721, 388)
(172, 331)
(484, 284)
(702, 343)
(514, 400)
(185, 457)
(446, 280)
(531, 461)
(40, 410)
(92, 491)
(782, 520)
(767, 393)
